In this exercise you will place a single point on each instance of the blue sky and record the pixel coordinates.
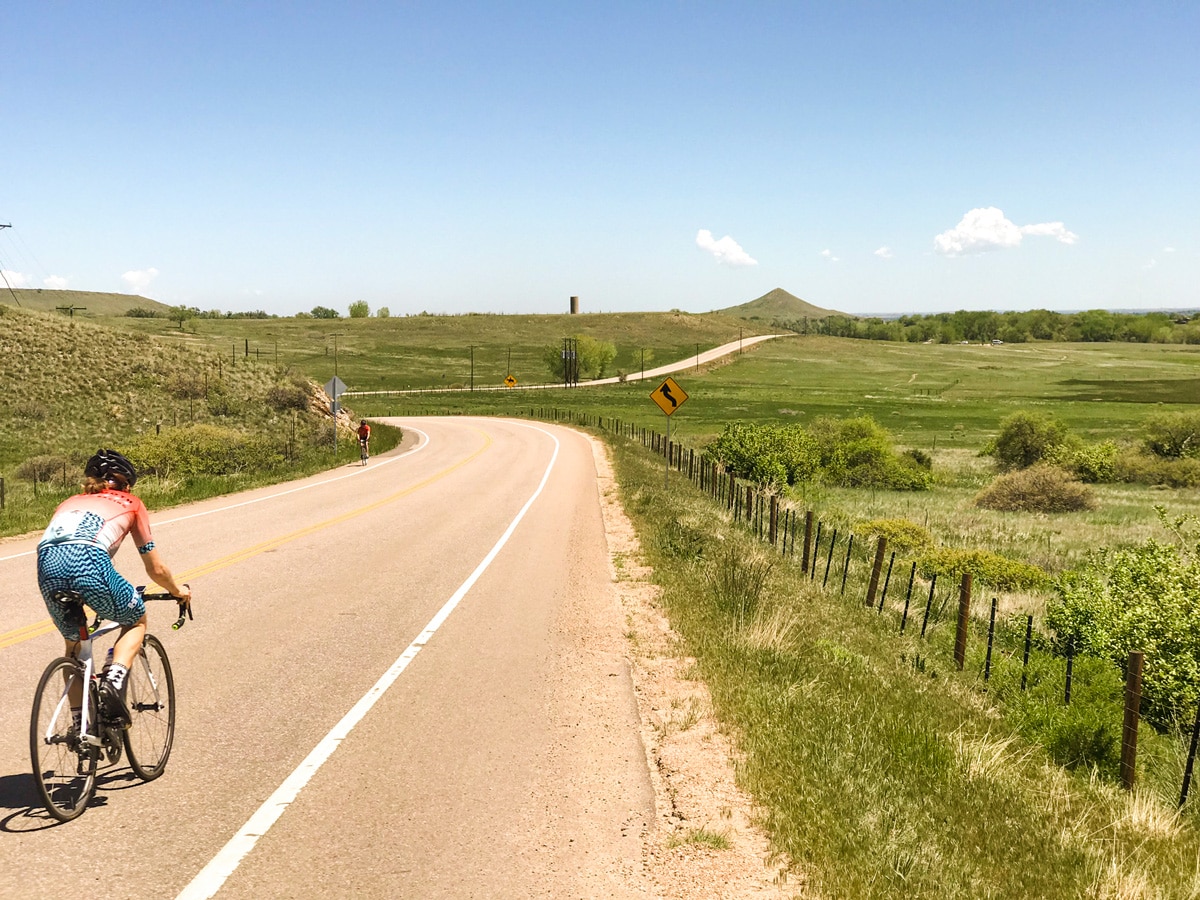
(501, 157)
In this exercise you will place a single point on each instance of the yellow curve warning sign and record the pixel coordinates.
(669, 396)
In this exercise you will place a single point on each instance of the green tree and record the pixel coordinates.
(383, 312)
(594, 357)
(359, 309)
(324, 312)
(181, 314)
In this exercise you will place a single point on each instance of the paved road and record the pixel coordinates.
(501, 759)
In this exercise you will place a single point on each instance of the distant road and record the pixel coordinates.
(692, 361)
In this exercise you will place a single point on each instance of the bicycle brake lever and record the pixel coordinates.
(185, 607)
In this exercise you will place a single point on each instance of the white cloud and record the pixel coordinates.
(15, 279)
(139, 279)
(726, 250)
(1168, 250)
(987, 228)
(55, 283)
(828, 254)
(884, 253)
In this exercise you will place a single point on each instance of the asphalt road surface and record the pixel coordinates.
(403, 680)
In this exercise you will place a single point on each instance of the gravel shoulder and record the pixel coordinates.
(691, 762)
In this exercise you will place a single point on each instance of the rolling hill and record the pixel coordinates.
(87, 304)
(778, 304)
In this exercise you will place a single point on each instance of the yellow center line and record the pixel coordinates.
(37, 629)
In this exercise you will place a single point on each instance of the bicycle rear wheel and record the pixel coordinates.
(151, 699)
(63, 768)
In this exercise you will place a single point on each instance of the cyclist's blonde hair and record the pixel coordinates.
(93, 485)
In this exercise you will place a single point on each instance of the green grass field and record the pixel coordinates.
(434, 352)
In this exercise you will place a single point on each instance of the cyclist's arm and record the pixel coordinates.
(158, 572)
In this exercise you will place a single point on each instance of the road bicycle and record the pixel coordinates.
(66, 753)
(362, 451)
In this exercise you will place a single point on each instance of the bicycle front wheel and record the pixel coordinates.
(64, 769)
(151, 699)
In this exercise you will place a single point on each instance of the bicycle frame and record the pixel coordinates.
(87, 661)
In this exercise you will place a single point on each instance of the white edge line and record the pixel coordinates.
(210, 879)
(304, 487)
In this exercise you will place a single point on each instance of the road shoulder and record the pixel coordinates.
(691, 762)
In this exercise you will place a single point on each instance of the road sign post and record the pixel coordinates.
(334, 387)
(669, 396)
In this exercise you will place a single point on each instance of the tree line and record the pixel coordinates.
(985, 326)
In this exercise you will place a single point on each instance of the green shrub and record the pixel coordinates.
(140, 312)
(1173, 435)
(902, 535)
(1026, 438)
(222, 402)
(920, 457)
(1040, 488)
(288, 395)
(1091, 463)
(846, 452)
(1141, 598)
(42, 469)
(998, 571)
(1145, 468)
(203, 450)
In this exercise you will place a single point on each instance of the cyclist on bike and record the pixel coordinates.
(75, 561)
(364, 438)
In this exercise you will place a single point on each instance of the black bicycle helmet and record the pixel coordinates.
(109, 462)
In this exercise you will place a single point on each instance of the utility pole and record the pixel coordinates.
(5, 277)
(335, 336)
(472, 367)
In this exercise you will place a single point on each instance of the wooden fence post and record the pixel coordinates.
(1133, 703)
(964, 617)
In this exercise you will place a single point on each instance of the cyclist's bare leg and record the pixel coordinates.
(129, 643)
(75, 688)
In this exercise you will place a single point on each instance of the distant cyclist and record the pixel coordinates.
(75, 560)
(364, 438)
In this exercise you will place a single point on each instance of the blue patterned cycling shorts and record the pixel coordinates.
(87, 570)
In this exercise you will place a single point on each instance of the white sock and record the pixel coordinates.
(116, 675)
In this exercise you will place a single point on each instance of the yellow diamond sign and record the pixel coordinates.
(669, 396)
(509, 381)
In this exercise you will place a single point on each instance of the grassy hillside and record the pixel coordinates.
(94, 304)
(71, 386)
(778, 304)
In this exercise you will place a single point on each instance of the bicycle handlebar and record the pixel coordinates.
(185, 606)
